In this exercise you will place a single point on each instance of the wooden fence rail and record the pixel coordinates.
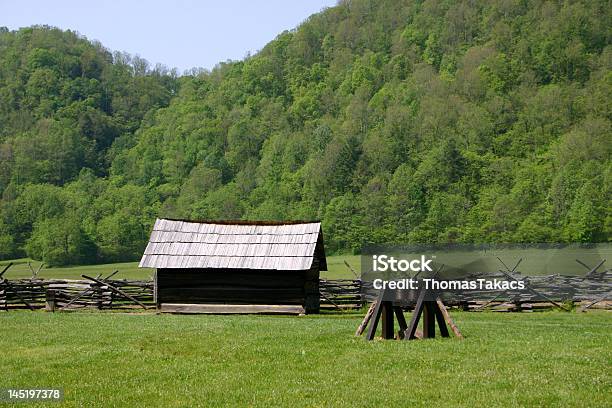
(68, 294)
(542, 292)
(335, 294)
(58, 294)
(340, 294)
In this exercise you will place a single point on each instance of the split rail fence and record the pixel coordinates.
(106, 293)
(340, 294)
(118, 294)
(66, 294)
(545, 292)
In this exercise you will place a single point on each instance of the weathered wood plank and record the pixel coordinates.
(448, 319)
(375, 316)
(429, 321)
(230, 309)
(409, 333)
(366, 320)
(400, 318)
(119, 291)
(388, 332)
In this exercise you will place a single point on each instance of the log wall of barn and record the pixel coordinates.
(239, 286)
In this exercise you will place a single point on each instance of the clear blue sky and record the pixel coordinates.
(182, 33)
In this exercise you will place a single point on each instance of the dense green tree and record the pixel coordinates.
(7, 241)
(391, 121)
(60, 241)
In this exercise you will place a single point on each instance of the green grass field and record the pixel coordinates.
(114, 359)
(130, 270)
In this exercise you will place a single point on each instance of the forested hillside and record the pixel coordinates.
(390, 120)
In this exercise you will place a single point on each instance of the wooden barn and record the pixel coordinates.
(236, 267)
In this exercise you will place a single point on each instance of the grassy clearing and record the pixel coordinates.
(111, 359)
(338, 270)
(130, 270)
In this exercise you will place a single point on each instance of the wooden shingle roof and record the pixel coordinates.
(179, 244)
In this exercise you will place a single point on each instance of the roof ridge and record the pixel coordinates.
(243, 222)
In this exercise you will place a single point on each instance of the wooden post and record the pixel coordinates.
(416, 316)
(51, 302)
(155, 298)
(401, 320)
(366, 320)
(429, 321)
(375, 317)
(387, 321)
(312, 298)
(448, 319)
(440, 320)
